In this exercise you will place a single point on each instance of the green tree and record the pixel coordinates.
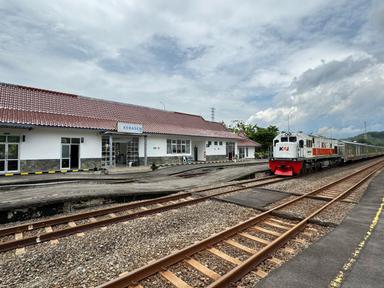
(261, 135)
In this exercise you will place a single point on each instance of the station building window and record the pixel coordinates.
(9, 153)
(178, 146)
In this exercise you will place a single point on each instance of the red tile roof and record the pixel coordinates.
(31, 106)
(245, 141)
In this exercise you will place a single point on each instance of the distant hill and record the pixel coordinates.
(374, 138)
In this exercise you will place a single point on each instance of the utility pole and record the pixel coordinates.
(213, 114)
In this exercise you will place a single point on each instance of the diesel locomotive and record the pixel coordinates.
(300, 153)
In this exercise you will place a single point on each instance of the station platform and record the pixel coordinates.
(121, 173)
(157, 184)
(352, 255)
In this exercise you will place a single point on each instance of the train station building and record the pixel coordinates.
(42, 130)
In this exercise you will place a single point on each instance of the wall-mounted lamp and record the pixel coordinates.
(82, 139)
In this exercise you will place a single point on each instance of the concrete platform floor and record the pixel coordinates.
(328, 259)
(256, 198)
(122, 174)
(156, 184)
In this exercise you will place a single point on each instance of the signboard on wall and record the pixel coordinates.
(130, 128)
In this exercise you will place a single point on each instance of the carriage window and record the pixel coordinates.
(292, 139)
(301, 143)
(309, 143)
(284, 139)
(275, 142)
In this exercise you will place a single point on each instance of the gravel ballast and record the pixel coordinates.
(104, 254)
(251, 279)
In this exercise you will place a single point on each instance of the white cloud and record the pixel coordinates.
(192, 55)
(268, 78)
(345, 131)
(344, 100)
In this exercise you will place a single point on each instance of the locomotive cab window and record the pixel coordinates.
(275, 142)
(292, 139)
(301, 143)
(284, 139)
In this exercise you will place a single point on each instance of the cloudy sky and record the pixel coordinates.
(318, 62)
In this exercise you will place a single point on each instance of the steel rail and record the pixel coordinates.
(30, 240)
(133, 277)
(119, 208)
(238, 272)
(84, 215)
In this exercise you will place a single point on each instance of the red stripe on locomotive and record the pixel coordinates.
(323, 151)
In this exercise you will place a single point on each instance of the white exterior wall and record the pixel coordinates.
(141, 146)
(251, 153)
(45, 143)
(215, 149)
(199, 143)
(157, 145)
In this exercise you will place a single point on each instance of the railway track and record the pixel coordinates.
(256, 239)
(57, 227)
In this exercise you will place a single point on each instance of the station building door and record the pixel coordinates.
(198, 150)
(70, 153)
(9, 153)
(126, 151)
(230, 150)
(241, 152)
